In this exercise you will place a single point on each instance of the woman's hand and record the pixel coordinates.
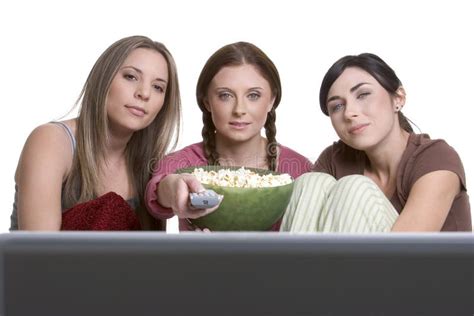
(174, 192)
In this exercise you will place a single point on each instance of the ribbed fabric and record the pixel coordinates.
(353, 204)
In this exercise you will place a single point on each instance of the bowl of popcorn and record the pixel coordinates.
(254, 199)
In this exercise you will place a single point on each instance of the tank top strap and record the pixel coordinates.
(69, 133)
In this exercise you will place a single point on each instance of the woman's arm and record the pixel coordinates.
(429, 202)
(167, 193)
(44, 163)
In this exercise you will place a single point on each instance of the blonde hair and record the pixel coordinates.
(144, 147)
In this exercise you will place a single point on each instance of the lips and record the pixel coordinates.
(238, 124)
(357, 129)
(136, 110)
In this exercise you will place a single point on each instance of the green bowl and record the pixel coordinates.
(244, 209)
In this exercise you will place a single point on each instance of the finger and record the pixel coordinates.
(190, 211)
(196, 213)
(192, 183)
(181, 205)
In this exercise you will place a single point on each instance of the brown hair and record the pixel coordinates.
(144, 147)
(236, 54)
(376, 67)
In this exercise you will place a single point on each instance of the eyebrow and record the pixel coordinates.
(253, 88)
(357, 86)
(141, 72)
(219, 89)
(354, 88)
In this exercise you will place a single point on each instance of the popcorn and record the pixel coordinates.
(241, 178)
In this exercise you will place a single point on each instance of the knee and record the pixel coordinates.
(312, 181)
(356, 180)
(315, 177)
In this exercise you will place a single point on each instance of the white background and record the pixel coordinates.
(48, 48)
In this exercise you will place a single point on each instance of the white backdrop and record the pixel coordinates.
(48, 48)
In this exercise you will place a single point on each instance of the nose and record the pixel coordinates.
(240, 108)
(351, 110)
(143, 92)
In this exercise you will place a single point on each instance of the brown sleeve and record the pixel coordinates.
(434, 156)
(324, 162)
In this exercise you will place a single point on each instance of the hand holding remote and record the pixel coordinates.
(205, 199)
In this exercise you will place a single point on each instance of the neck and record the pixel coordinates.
(385, 157)
(116, 144)
(251, 153)
(114, 174)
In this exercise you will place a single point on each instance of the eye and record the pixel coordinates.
(129, 76)
(363, 95)
(253, 96)
(335, 107)
(224, 96)
(159, 88)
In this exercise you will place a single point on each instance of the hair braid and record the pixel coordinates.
(209, 138)
(272, 148)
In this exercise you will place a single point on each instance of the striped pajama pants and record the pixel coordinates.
(352, 204)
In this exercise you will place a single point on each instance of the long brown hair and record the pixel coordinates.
(144, 147)
(236, 54)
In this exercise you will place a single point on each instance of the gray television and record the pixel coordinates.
(236, 274)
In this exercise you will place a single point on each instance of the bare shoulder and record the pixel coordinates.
(44, 164)
(48, 147)
(48, 139)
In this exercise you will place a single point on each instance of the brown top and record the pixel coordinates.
(422, 155)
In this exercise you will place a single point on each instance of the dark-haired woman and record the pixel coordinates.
(238, 91)
(380, 176)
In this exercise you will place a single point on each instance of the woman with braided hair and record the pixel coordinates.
(238, 92)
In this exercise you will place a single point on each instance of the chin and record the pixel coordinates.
(133, 128)
(237, 138)
(359, 144)
(137, 125)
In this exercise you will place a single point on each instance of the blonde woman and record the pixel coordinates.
(129, 116)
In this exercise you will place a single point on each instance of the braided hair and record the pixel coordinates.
(209, 138)
(235, 54)
(272, 146)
